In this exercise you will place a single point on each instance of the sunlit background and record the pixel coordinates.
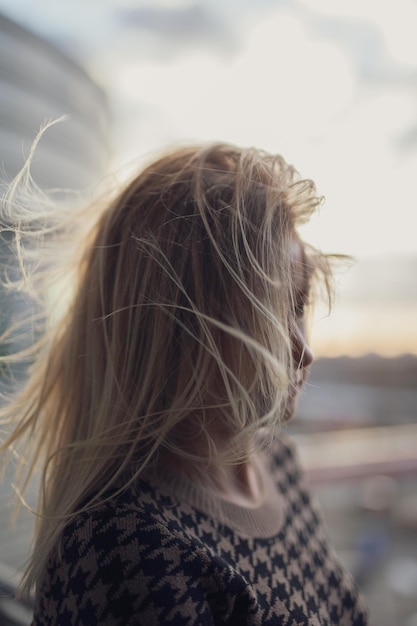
(332, 85)
(329, 84)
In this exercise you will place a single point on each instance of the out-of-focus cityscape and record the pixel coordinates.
(332, 87)
(357, 434)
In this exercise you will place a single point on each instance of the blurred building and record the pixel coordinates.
(39, 83)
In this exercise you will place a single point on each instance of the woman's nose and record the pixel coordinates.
(301, 351)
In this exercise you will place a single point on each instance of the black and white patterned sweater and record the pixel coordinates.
(165, 553)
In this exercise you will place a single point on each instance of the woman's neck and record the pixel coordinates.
(240, 483)
(204, 456)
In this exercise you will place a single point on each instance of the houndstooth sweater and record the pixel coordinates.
(165, 553)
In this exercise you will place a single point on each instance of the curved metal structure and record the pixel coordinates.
(39, 83)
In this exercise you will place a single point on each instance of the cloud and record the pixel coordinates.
(382, 279)
(180, 28)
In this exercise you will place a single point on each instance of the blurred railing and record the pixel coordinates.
(343, 455)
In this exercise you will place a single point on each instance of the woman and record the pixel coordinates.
(170, 494)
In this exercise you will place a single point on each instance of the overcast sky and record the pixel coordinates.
(332, 85)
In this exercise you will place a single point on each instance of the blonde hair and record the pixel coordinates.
(180, 316)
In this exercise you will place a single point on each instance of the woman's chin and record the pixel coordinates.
(291, 406)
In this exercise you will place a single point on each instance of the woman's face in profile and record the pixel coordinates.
(301, 352)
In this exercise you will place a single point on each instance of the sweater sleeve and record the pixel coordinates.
(118, 569)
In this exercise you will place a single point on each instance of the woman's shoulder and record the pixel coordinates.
(131, 535)
(123, 558)
(137, 515)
